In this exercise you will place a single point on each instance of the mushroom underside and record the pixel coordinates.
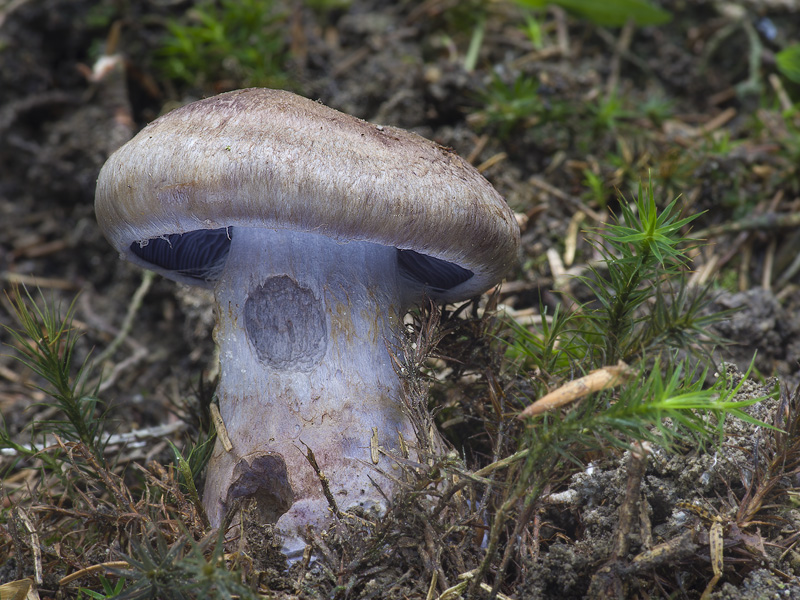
(201, 254)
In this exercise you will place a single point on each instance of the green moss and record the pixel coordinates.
(230, 43)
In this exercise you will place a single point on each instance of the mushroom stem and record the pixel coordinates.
(303, 324)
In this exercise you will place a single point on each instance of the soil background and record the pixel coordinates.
(406, 64)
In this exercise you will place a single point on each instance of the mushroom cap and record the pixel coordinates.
(273, 159)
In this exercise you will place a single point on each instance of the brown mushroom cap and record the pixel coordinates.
(272, 159)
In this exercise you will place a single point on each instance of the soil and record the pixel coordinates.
(402, 64)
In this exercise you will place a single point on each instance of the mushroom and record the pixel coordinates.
(316, 230)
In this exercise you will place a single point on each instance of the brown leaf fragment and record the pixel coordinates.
(597, 380)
